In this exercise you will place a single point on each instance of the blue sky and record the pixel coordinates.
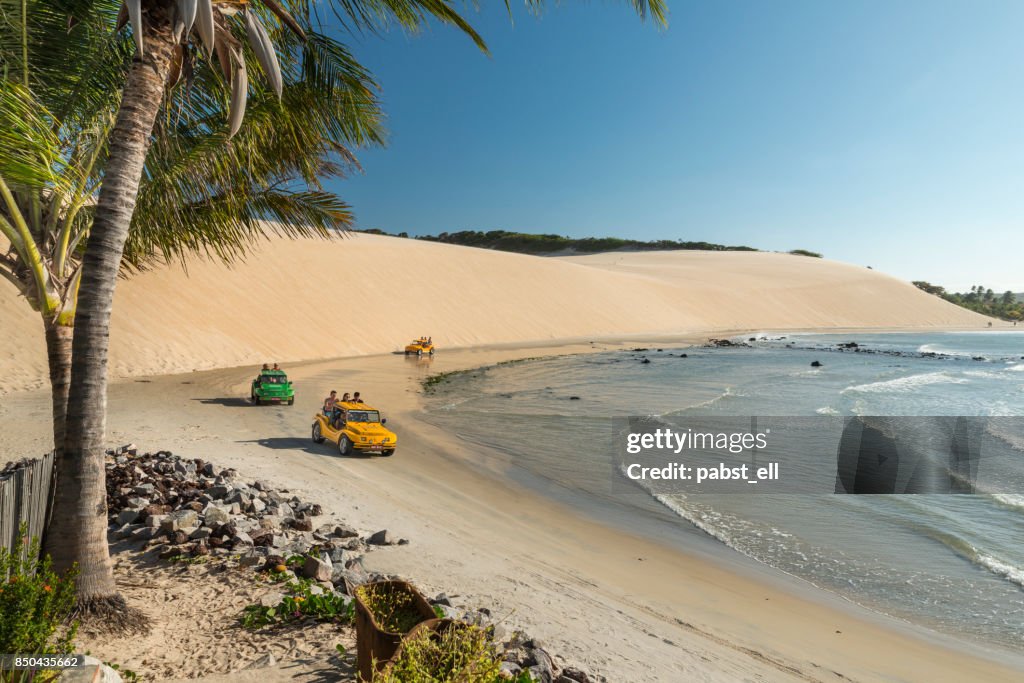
(888, 134)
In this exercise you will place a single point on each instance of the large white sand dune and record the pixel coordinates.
(309, 299)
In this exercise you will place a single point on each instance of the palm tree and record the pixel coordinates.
(198, 194)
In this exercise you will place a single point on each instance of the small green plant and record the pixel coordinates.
(393, 610)
(126, 674)
(300, 604)
(439, 612)
(805, 252)
(453, 652)
(35, 607)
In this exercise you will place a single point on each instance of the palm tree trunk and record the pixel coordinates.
(78, 527)
(58, 351)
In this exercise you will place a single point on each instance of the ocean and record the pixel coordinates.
(951, 563)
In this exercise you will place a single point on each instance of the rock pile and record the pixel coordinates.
(189, 508)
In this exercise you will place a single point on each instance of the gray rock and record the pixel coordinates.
(127, 516)
(246, 523)
(341, 556)
(125, 531)
(184, 518)
(316, 589)
(317, 569)
(344, 531)
(201, 533)
(218, 492)
(543, 669)
(382, 537)
(242, 538)
(250, 559)
(450, 612)
(216, 515)
(270, 522)
(208, 470)
(261, 486)
(272, 599)
(154, 520)
(137, 502)
(302, 523)
(571, 674)
(510, 669)
(256, 506)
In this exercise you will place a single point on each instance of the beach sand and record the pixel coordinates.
(630, 607)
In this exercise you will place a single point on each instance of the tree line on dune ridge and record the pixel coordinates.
(134, 131)
(539, 244)
(1006, 306)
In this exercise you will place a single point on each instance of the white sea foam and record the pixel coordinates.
(905, 384)
(827, 410)
(1010, 500)
(1007, 571)
(1016, 368)
(936, 348)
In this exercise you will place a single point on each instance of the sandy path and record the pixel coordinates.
(574, 583)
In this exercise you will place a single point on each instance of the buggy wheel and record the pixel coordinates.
(318, 437)
(255, 399)
(291, 401)
(344, 445)
(387, 453)
(419, 352)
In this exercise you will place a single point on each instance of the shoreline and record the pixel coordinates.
(602, 606)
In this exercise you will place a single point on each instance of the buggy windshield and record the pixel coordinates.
(273, 379)
(363, 416)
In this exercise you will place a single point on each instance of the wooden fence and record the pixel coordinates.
(25, 491)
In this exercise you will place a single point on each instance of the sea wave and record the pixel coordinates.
(1016, 368)
(943, 350)
(1000, 568)
(978, 557)
(905, 384)
(705, 521)
(1009, 500)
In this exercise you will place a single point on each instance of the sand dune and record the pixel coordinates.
(311, 299)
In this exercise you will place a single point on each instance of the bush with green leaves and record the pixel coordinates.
(301, 603)
(452, 651)
(35, 607)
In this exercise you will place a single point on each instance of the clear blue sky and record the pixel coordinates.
(888, 134)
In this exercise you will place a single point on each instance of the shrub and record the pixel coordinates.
(453, 652)
(35, 607)
(301, 604)
(393, 610)
(805, 252)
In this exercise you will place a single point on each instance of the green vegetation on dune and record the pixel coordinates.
(1008, 306)
(525, 243)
